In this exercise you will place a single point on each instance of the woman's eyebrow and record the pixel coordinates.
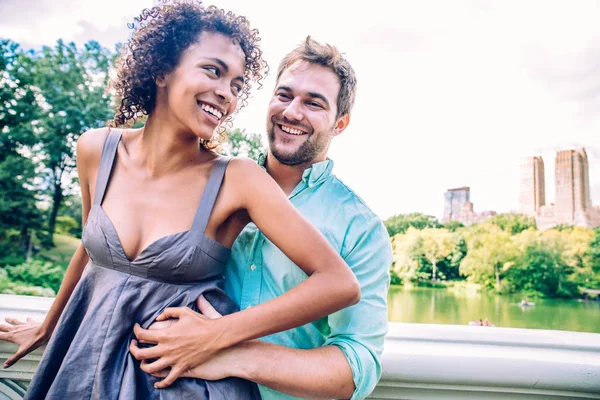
(225, 67)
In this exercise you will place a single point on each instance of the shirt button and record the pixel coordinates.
(247, 307)
(252, 267)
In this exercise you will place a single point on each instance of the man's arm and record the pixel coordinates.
(321, 373)
(359, 331)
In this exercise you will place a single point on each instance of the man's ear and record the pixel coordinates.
(341, 124)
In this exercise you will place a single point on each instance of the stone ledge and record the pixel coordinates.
(423, 361)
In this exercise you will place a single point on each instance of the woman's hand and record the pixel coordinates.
(218, 367)
(184, 344)
(27, 335)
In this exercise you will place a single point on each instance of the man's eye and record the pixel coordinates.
(313, 104)
(283, 96)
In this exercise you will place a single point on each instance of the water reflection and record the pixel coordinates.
(443, 306)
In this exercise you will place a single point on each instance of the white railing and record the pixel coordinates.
(424, 361)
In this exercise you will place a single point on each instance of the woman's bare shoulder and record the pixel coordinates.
(89, 146)
(243, 169)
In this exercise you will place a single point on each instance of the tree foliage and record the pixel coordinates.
(19, 213)
(502, 256)
(400, 223)
(513, 223)
(72, 82)
(240, 143)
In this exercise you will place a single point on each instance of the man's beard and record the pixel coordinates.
(307, 151)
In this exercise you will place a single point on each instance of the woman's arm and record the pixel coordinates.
(329, 287)
(31, 335)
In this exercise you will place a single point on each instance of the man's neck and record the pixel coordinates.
(286, 176)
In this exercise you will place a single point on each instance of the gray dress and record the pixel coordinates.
(88, 355)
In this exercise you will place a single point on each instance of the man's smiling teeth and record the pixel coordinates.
(218, 114)
(291, 131)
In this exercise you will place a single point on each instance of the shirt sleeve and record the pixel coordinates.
(359, 330)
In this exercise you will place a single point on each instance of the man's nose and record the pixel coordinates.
(294, 110)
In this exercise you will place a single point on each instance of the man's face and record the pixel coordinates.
(301, 120)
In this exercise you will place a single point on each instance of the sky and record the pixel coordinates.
(450, 93)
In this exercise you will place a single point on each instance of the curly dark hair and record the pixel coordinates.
(160, 35)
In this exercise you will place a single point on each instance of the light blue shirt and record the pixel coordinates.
(258, 272)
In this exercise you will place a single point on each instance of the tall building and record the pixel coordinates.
(573, 203)
(454, 201)
(533, 187)
(458, 207)
(572, 186)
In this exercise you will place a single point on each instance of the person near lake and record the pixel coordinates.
(334, 357)
(160, 212)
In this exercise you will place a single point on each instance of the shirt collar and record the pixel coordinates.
(312, 176)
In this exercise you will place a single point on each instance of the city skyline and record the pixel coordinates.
(572, 202)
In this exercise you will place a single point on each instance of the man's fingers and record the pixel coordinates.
(154, 367)
(206, 308)
(173, 374)
(171, 312)
(161, 324)
(159, 374)
(6, 328)
(14, 321)
(143, 354)
(144, 335)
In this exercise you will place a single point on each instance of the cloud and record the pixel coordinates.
(107, 36)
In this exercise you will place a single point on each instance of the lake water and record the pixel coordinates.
(444, 306)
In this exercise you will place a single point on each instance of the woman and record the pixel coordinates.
(160, 214)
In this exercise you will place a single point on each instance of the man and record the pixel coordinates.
(338, 356)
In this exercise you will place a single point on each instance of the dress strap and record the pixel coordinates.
(111, 143)
(209, 196)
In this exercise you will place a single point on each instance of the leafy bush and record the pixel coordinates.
(9, 287)
(37, 273)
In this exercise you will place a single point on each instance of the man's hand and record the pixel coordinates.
(27, 335)
(218, 367)
(182, 345)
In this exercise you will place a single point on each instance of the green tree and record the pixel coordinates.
(491, 251)
(71, 207)
(571, 247)
(453, 226)
(72, 83)
(408, 255)
(240, 143)
(593, 260)
(512, 223)
(437, 245)
(536, 271)
(18, 112)
(449, 267)
(400, 223)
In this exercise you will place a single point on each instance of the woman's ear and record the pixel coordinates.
(160, 81)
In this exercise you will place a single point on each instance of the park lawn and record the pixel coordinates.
(63, 250)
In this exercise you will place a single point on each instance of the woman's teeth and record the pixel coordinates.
(218, 114)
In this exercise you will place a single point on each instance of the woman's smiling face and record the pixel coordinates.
(202, 90)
